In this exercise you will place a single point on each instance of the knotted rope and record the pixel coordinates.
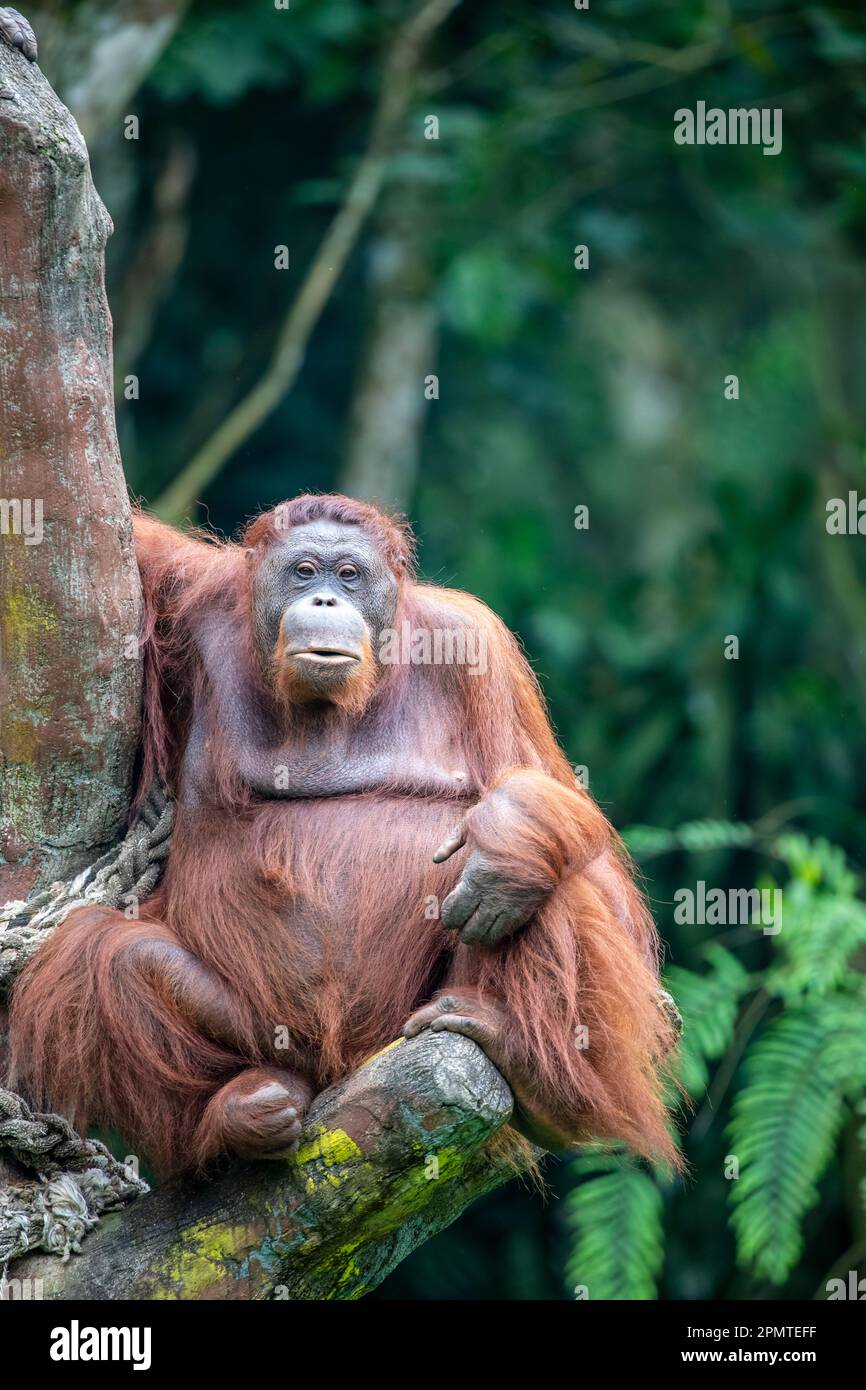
(123, 875)
(75, 1179)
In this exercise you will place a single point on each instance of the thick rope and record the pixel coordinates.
(76, 1179)
(121, 878)
(667, 1004)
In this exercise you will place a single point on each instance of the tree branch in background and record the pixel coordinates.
(398, 83)
(156, 261)
(385, 423)
(97, 55)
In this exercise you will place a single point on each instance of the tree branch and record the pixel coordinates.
(388, 1158)
(389, 405)
(246, 417)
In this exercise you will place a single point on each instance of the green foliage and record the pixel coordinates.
(822, 933)
(786, 1121)
(225, 49)
(484, 295)
(800, 1076)
(645, 840)
(800, 1079)
(709, 1003)
(614, 1214)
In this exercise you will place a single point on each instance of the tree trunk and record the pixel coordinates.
(70, 605)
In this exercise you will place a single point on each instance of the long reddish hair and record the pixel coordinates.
(579, 983)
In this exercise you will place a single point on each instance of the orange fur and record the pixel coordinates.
(313, 913)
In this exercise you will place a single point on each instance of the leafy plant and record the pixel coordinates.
(797, 1081)
(790, 1036)
(709, 1003)
(615, 1216)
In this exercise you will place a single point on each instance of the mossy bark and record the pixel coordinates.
(388, 1158)
(69, 590)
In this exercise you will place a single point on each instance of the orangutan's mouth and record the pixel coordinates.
(330, 656)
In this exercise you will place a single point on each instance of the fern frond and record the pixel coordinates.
(816, 862)
(818, 938)
(709, 1004)
(786, 1120)
(645, 840)
(700, 835)
(616, 1220)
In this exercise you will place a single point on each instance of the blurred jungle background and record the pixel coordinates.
(425, 336)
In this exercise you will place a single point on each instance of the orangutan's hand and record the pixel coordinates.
(16, 31)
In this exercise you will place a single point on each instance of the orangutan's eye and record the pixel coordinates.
(347, 572)
(305, 570)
